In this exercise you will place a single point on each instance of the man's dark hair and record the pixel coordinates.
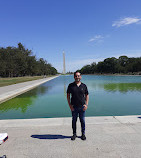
(76, 72)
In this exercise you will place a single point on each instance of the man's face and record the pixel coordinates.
(77, 77)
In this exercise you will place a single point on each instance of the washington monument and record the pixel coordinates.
(64, 66)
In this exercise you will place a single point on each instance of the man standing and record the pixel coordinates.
(78, 103)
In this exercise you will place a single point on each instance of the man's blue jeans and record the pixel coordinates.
(78, 110)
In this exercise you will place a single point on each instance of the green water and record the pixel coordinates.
(109, 95)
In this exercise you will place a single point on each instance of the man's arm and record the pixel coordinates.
(68, 98)
(87, 101)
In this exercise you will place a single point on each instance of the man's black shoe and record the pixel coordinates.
(83, 137)
(73, 137)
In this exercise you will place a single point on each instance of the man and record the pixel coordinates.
(78, 103)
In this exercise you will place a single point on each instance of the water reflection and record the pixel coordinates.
(65, 90)
(122, 87)
(18, 103)
(49, 99)
(113, 87)
(65, 93)
(23, 101)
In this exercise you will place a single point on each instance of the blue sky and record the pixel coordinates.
(87, 30)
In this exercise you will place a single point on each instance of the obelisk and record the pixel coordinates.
(64, 66)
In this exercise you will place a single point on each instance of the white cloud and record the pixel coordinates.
(96, 38)
(126, 21)
(130, 54)
(76, 64)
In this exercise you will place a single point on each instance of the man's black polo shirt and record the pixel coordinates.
(77, 94)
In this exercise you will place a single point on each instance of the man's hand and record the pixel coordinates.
(71, 107)
(85, 107)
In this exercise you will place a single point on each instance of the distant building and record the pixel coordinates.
(64, 66)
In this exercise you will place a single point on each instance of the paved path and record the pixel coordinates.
(107, 137)
(8, 92)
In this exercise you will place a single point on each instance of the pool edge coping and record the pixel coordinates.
(13, 93)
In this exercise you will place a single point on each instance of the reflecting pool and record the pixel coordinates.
(109, 96)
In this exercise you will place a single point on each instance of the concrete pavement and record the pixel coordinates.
(107, 137)
(11, 91)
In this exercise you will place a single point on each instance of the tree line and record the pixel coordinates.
(19, 61)
(123, 64)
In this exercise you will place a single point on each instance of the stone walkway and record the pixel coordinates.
(107, 137)
(8, 92)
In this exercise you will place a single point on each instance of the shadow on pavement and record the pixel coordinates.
(4, 156)
(50, 136)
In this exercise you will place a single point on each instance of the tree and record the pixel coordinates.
(113, 65)
(20, 62)
(110, 65)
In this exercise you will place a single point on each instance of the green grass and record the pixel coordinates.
(14, 80)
